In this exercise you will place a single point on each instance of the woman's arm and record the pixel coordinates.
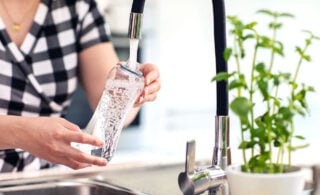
(95, 64)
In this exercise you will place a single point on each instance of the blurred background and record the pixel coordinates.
(178, 37)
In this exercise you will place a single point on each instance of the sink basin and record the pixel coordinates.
(61, 181)
(68, 187)
(136, 179)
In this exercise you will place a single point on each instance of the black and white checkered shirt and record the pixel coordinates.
(39, 78)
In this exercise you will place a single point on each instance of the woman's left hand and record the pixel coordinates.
(152, 84)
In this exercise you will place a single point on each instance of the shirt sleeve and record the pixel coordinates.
(92, 28)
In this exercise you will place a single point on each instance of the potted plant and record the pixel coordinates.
(266, 100)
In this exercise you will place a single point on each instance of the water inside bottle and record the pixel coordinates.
(117, 100)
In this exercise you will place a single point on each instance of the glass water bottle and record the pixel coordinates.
(122, 88)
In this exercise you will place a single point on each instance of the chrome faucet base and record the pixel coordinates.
(213, 178)
(196, 181)
(221, 151)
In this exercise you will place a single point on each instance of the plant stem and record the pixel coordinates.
(281, 165)
(244, 156)
(298, 68)
(239, 94)
(293, 99)
(251, 90)
(238, 64)
(269, 128)
(275, 96)
(274, 35)
(290, 143)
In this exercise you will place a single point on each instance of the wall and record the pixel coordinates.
(179, 39)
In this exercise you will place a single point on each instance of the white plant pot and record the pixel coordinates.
(240, 183)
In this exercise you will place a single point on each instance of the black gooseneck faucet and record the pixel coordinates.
(212, 178)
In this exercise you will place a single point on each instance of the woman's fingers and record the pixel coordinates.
(84, 158)
(83, 138)
(152, 84)
(152, 88)
(150, 72)
(73, 164)
(78, 158)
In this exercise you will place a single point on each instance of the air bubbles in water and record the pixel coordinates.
(121, 91)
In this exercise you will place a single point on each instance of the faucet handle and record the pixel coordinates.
(190, 157)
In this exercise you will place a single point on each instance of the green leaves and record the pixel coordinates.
(276, 94)
(275, 46)
(222, 76)
(242, 33)
(275, 15)
(259, 163)
(227, 54)
(302, 54)
(238, 83)
(241, 106)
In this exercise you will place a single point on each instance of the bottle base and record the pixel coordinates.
(96, 152)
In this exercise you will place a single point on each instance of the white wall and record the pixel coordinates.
(183, 48)
(179, 39)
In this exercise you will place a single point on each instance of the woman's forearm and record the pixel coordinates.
(131, 116)
(9, 129)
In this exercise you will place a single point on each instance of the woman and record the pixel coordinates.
(44, 50)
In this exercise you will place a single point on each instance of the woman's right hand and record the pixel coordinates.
(50, 138)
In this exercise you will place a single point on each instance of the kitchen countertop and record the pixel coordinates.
(150, 167)
(153, 179)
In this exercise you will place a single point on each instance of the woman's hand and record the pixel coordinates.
(50, 138)
(152, 84)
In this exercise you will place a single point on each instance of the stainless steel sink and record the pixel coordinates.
(139, 179)
(68, 187)
(57, 181)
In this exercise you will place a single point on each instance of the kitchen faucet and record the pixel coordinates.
(212, 178)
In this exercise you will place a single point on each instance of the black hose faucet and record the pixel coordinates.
(212, 178)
